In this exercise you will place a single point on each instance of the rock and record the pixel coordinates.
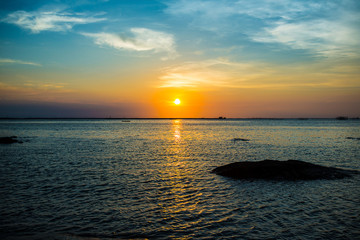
(241, 139)
(353, 138)
(281, 170)
(9, 140)
(342, 118)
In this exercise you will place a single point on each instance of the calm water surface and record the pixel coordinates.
(150, 179)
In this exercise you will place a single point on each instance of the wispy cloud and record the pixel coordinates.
(262, 8)
(57, 21)
(223, 73)
(326, 28)
(267, 10)
(34, 90)
(224, 15)
(211, 73)
(13, 61)
(142, 40)
(323, 37)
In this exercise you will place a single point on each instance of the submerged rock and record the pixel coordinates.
(9, 140)
(281, 170)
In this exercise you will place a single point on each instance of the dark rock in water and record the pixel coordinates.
(353, 138)
(281, 170)
(342, 118)
(241, 139)
(9, 140)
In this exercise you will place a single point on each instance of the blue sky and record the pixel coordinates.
(238, 58)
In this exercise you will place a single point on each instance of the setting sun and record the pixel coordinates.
(177, 101)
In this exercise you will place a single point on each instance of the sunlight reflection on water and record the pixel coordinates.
(150, 179)
(177, 130)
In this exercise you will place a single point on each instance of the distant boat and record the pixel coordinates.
(125, 120)
(222, 117)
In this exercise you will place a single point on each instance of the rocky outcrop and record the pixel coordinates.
(9, 140)
(281, 170)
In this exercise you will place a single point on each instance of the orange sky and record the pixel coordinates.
(219, 58)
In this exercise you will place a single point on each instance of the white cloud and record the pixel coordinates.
(48, 20)
(322, 37)
(326, 28)
(261, 9)
(217, 16)
(13, 61)
(142, 40)
(283, 9)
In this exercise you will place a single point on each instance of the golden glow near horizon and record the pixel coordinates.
(191, 103)
(286, 63)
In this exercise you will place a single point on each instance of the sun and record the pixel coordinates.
(177, 101)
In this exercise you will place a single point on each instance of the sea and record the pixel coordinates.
(90, 179)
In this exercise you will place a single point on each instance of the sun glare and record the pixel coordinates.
(177, 101)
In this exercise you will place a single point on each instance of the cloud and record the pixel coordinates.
(32, 90)
(324, 28)
(224, 15)
(142, 40)
(323, 37)
(57, 21)
(13, 61)
(218, 73)
(268, 10)
(212, 73)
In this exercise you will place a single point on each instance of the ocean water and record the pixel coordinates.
(150, 179)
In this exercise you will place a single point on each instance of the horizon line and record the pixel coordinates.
(174, 118)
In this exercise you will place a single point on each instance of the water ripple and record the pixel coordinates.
(150, 179)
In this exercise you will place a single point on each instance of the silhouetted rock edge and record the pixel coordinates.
(9, 140)
(281, 170)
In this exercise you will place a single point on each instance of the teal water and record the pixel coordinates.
(150, 179)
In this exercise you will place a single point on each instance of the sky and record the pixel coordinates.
(133, 58)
